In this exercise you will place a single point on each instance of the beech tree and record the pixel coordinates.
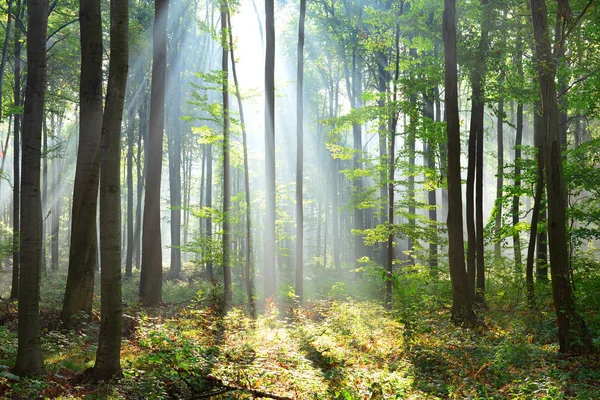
(151, 276)
(108, 355)
(29, 353)
(83, 252)
(461, 292)
(573, 335)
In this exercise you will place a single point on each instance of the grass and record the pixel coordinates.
(334, 349)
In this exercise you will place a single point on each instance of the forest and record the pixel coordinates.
(313, 199)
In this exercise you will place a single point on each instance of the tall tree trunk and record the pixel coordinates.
(461, 291)
(14, 292)
(517, 183)
(270, 238)
(83, 251)
(108, 359)
(227, 181)
(429, 150)
(151, 275)
(141, 175)
(541, 267)
(174, 142)
(573, 335)
(130, 139)
(249, 260)
(209, 179)
(300, 157)
(479, 99)
(29, 352)
(43, 262)
(57, 165)
(539, 188)
(393, 122)
(499, 174)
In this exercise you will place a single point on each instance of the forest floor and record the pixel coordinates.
(342, 349)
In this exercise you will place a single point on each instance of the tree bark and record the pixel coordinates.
(108, 359)
(249, 260)
(14, 292)
(573, 335)
(151, 275)
(462, 311)
(130, 141)
(270, 238)
(300, 157)
(83, 251)
(227, 181)
(29, 353)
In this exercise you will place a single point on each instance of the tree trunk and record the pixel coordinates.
(174, 142)
(108, 359)
(249, 260)
(541, 267)
(573, 334)
(461, 291)
(429, 150)
(499, 175)
(270, 238)
(300, 157)
(83, 251)
(533, 231)
(57, 166)
(151, 276)
(29, 353)
(227, 181)
(14, 292)
(130, 139)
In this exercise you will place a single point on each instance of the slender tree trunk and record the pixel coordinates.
(249, 256)
(151, 276)
(29, 353)
(227, 181)
(480, 100)
(108, 359)
(429, 150)
(499, 175)
(209, 179)
(83, 251)
(14, 292)
(300, 157)
(541, 267)
(270, 202)
(141, 174)
(573, 335)
(130, 139)
(517, 183)
(461, 291)
(56, 204)
(539, 188)
(174, 141)
(393, 122)
(44, 193)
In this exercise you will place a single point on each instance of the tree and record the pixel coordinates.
(14, 292)
(461, 293)
(269, 261)
(226, 163)
(300, 156)
(29, 353)
(573, 335)
(83, 252)
(108, 358)
(151, 276)
(249, 262)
